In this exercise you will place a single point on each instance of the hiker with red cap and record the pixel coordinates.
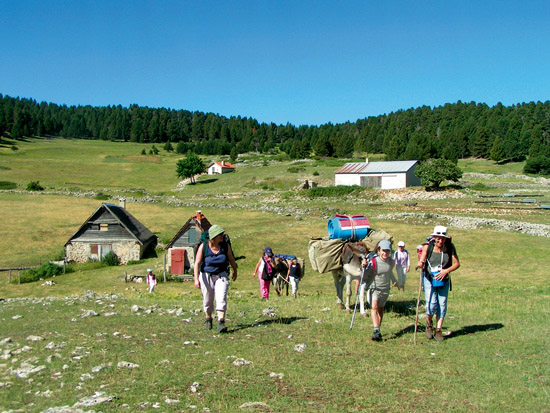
(439, 258)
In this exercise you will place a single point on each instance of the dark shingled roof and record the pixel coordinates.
(134, 228)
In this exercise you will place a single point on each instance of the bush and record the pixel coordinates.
(333, 191)
(7, 185)
(295, 169)
(34, 186)
(101, 196)
(537, 165)
(316, 173)
(110, 259)
(47, 270)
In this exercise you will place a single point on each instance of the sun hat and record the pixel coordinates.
(268, 251)
(214, 231)
(440, 231)
(401, 244)
(384, 245)
(149, 270)
(419, 247)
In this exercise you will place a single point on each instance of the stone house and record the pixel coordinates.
(110, 228)
(182, 248)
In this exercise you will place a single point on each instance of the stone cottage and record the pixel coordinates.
(110, 228)
(182, 248)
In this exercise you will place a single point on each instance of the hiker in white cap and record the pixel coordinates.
(402, 264)
(438, 260)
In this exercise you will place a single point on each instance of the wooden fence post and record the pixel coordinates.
(164, 267)
(9, 277)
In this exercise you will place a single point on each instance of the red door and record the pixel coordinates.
(178, 262)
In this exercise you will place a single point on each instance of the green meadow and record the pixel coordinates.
(93, 342)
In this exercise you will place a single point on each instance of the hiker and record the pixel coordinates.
(212, 275)
(151, 280)
(402, 264)
(439, 258)
(379, 289)
(293, 276)
(265, 272)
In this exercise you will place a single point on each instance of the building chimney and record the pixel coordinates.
(223, 163)
(367, 159)
(122, 203)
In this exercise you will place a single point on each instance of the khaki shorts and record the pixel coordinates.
(381, 296)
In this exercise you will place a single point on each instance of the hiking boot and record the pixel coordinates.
(438, 335)
(208, 324)
(221, 326)
(429, 331)
(376, 336)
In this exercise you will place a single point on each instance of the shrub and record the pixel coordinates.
(34, 186)
(295, 169)
(316, 173)
(537, 165)
(7, 185)
(143, 152)
(47, 270)
(110, 259)
(14, 148)
(101, 196)
(333, 191)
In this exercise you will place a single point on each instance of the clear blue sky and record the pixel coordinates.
(303, 62)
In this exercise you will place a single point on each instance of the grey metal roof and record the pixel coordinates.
(376, 167)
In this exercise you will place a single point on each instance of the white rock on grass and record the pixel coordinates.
(241, 362)
(171, 401)
(97, 398)
(299, 348)
(35, 338)
(254, 405)
(16, 317)
(270, 312)
(88, 313)
(25, 370)
(194, 387)
(127, 365)
(5, 341)
(276, 375)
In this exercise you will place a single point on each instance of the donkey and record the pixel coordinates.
(352, 254)
(281, 270)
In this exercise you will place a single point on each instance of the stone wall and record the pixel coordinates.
(125, 251)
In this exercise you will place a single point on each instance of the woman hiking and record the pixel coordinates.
(211, 273)
(438, 260)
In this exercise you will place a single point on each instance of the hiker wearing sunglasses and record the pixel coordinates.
(439, 258)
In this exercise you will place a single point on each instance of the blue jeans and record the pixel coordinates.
(436, 298)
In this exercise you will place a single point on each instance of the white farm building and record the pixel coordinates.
(220, 168)
(381, 175)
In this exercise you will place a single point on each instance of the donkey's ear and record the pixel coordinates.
(347, 254)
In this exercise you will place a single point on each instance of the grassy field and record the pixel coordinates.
(56, 352)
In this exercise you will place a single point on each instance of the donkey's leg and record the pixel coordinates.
(348, 290)
(339, 282)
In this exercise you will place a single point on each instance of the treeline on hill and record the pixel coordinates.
(451, 131)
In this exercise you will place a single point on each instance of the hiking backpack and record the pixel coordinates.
(268, 275)
(204, 242)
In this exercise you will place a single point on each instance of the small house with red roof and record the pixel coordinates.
(221, 167)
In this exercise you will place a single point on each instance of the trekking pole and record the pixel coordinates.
(417, 305)
(357, 296)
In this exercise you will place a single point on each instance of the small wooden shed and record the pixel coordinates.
(110, 228)
(182, 248)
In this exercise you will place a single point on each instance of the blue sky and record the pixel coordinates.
(302, 62)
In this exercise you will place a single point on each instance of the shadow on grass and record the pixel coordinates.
(277, 320)
(476, 328)
(451, 334)
(206, 181)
